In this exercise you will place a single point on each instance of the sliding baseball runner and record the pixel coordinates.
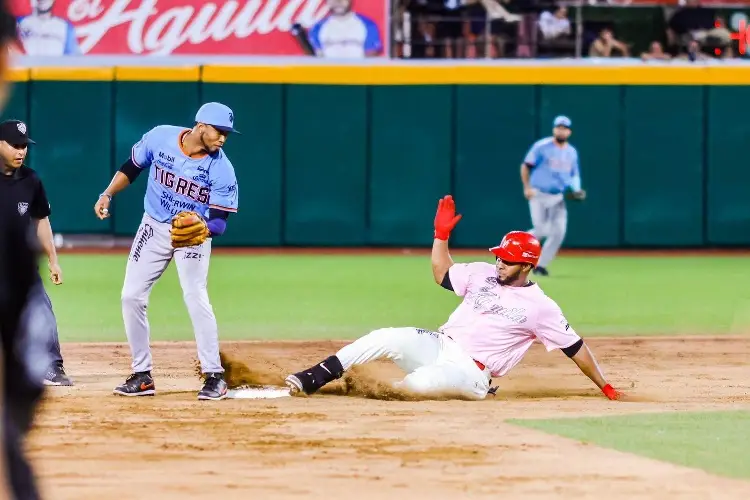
(191, 191)
(502, 314)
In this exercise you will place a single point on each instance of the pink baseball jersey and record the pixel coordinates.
(497, 324)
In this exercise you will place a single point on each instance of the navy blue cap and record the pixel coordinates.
(563, 121)
(14, 132)
(217, 115)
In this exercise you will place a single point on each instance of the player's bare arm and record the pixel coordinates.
(119, 182)
(445, 220)
(46, 239)
(441, 260)
(584, 358)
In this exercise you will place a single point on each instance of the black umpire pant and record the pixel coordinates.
(25, 352)
(40, 296)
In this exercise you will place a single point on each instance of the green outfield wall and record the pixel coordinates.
(359, 155)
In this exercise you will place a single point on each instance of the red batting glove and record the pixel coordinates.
(446, 218)
(611, 393)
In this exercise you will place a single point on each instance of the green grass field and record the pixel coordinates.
(342, 297)
(717, 442)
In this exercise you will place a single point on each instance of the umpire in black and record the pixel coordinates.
(24, 197)
(27, 325)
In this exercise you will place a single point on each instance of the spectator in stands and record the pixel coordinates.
(436, 28)
(450, 29)
(656, 53)
(689, 23)
(693, 52)
(491, 26)
(420, 36)
(718, 40)
(554, 26)
(606, 45)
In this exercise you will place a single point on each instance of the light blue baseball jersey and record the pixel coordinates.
(555, 168)
(179, 183)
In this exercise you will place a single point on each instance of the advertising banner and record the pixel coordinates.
(327, 28)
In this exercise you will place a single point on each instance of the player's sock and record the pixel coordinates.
(319, 375)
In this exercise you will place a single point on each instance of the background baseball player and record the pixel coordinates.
(500, 317)
(549, 174)
(42, 33)
(345, 33)
(191, 191)
(23, 189)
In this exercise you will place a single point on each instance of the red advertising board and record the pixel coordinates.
(185, 27)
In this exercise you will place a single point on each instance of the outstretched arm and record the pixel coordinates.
(441, 260)
(140, 159)
(445, 220)
(584, 358)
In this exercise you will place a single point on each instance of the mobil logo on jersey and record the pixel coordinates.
(164, 160)
(220, 27)
(167, 158)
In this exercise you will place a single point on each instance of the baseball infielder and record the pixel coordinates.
(549, 173)
(191, 191)
(502, 314)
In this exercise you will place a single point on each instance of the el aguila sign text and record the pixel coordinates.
(164, 27)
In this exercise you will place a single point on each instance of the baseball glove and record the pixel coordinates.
(576, 195)
(188, 229)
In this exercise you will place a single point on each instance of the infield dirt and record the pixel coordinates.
(90, 444)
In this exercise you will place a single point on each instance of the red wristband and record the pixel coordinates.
(609, 391)
(441, 235)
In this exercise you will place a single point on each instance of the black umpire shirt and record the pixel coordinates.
(22, 200)
(22, 196)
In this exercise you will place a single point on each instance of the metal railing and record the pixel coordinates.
(476, 34)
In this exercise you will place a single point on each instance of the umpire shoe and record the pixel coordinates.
(56, 376)
(214, 389)
(137, 384)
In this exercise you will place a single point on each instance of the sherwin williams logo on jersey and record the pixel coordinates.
(182, 186)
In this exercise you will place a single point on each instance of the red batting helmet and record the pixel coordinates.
(518, 247)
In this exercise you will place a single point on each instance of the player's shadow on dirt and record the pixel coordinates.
(545, 393)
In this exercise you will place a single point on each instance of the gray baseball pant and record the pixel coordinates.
(549, 216)
(149, 257)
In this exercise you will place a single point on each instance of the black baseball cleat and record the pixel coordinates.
(137, 384)
(311, 380)
(214, 389)
(541, 271)
(56, 376)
